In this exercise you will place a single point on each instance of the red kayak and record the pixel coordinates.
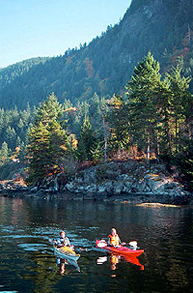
(123, 250)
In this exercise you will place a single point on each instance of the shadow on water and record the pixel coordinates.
(28, 263)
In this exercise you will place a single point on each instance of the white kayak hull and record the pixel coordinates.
(62, 254)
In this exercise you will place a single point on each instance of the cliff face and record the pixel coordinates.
(153, 25)
(105, 65)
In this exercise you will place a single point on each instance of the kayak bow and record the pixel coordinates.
(123, 250)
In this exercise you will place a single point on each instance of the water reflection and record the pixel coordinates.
(67, 266)
(134, 260)
(114, 259)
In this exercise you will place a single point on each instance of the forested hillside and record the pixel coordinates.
(105, 65)
(11, 72)
(153, 120)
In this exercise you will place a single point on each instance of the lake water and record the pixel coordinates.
(28, 263)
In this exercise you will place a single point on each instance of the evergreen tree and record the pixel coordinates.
(22, 152)
(160, 111)
(182, 102)
(38, 150)
(174, 104)
(4, 152)
(58, 145)
(87, 142)
(184, 161)
(118, 120)
(50, 110)
(163, 109)
(11, 137)
(47, 141)
(141, 91)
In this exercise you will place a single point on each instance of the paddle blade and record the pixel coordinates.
(133, 244)
(101, 243)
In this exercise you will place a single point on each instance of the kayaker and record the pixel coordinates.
(114, 239)
(63, 240)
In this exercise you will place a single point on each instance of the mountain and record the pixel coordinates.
(162, 26)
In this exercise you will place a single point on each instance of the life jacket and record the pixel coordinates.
(114, 240)
(63, 241)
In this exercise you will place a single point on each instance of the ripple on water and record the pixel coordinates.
(9, 291)
(32, 246)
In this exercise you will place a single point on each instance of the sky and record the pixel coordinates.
(40, 28)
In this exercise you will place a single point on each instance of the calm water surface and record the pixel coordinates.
(28, 264)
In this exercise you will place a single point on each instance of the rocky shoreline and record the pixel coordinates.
(130, 182)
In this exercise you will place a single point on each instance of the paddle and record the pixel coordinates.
(51, 240)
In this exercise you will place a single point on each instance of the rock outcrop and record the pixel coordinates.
(129, 181)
